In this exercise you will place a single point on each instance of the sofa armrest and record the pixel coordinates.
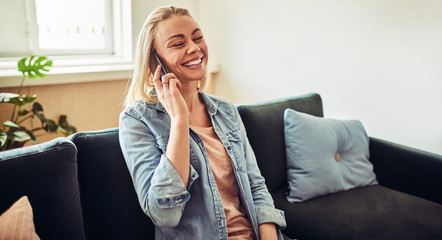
(407, 170)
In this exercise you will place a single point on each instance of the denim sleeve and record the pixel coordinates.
(161, 192)
(263, 201)
(168, 195)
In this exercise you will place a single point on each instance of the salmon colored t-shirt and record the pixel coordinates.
(238, 226)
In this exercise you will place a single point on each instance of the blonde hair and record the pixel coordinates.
(141, 87)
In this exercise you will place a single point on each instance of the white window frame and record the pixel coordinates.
(83, 68)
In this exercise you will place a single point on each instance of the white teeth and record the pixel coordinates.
(193, 63)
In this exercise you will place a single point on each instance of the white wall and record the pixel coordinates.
(379, 61)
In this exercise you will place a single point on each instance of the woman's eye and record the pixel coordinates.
(198, 38)
(178, 44)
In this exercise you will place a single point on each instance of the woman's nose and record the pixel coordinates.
(193, 48)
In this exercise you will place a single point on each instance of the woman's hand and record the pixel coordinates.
(169, 95)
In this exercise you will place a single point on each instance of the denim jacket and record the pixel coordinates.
(195, 212)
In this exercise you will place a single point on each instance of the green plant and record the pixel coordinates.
(14, 134)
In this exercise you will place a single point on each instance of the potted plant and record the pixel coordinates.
(14, 133)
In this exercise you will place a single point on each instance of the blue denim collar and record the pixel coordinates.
(156, 105)
(212, 104)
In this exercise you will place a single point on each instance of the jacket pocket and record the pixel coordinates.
(236, 146)
(234, 135)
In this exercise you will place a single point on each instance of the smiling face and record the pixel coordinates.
(181, 46)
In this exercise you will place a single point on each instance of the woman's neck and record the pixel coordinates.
(191, 96)
(198, 115)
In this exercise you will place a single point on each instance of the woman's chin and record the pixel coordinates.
(197, 76)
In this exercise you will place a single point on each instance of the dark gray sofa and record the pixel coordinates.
(405, 205)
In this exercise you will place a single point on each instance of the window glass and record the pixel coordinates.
(67, 24)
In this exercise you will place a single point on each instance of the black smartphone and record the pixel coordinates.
(157, 62)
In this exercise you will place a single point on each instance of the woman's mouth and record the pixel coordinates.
(193, 63)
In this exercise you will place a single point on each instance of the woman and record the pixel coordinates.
(187, 152)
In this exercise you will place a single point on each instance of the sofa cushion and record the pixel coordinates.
(47, 174)
(18, 222)
(325, 155)
(110, 205)
(370, 212)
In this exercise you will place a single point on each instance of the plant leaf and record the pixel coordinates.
(28, 98)
(31, 134)
(65, 127)
(20, 136)
(16, 101)
(37, 107)
(23, 112)
(6, 97)
(10, 124)
(3, 138)
(62, 121)
(34, 68)
(50, 126)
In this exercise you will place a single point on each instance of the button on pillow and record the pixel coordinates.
(325, 155)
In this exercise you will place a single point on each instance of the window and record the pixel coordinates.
(72, 27)
(79, 36)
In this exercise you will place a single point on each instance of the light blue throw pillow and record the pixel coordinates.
(325, 155)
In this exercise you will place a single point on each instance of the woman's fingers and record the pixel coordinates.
(156, 78)
(175, 83)
(170, 84)
(163, 85)
(168, 91)
(166, 78)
